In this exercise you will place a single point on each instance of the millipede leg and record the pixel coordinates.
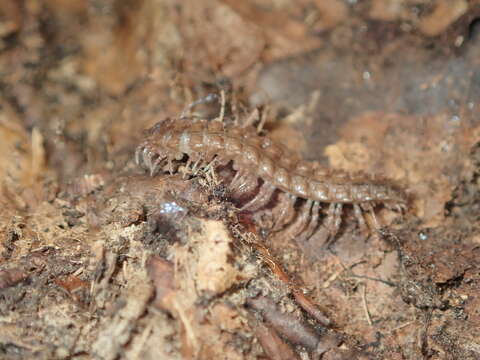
(338, 217)
(236, 179)
(368, 207)
(210, 171)
(211, 162)
(147, 160)
(138, 154)
(156, 166)
(334, 218)
(205, 100)
(302, 236)
(262, 198)
(186, 169)
(196, 167)
(242, 183)
(312, 226)
(170, 165)
(357, 211)
(287, 212)
(301, 221)
(251, 119)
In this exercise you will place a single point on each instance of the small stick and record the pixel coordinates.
(402, 326)
(11, 277)
(286, 324)
(272, 343)
(305, 303)
(365, 305)
(386, 282)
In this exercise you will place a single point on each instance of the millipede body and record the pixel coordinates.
(262, 168)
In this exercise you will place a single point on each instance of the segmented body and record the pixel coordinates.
(262, 167)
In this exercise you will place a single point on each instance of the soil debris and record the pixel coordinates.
(99, 260)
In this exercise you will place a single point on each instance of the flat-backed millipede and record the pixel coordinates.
(262, 170)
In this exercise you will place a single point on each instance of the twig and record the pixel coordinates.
(11, 277)
(300, 297)
(365, 305)
(402, 326)
(286, 324)
(386, 282)
(272, 344)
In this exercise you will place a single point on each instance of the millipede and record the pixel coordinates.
(259, 174)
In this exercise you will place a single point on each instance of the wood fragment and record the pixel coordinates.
(11, 277)
(272, 344)
(306, 304)
(365, 305)
(286, 324)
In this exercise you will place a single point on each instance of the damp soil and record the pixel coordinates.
(99, 260)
